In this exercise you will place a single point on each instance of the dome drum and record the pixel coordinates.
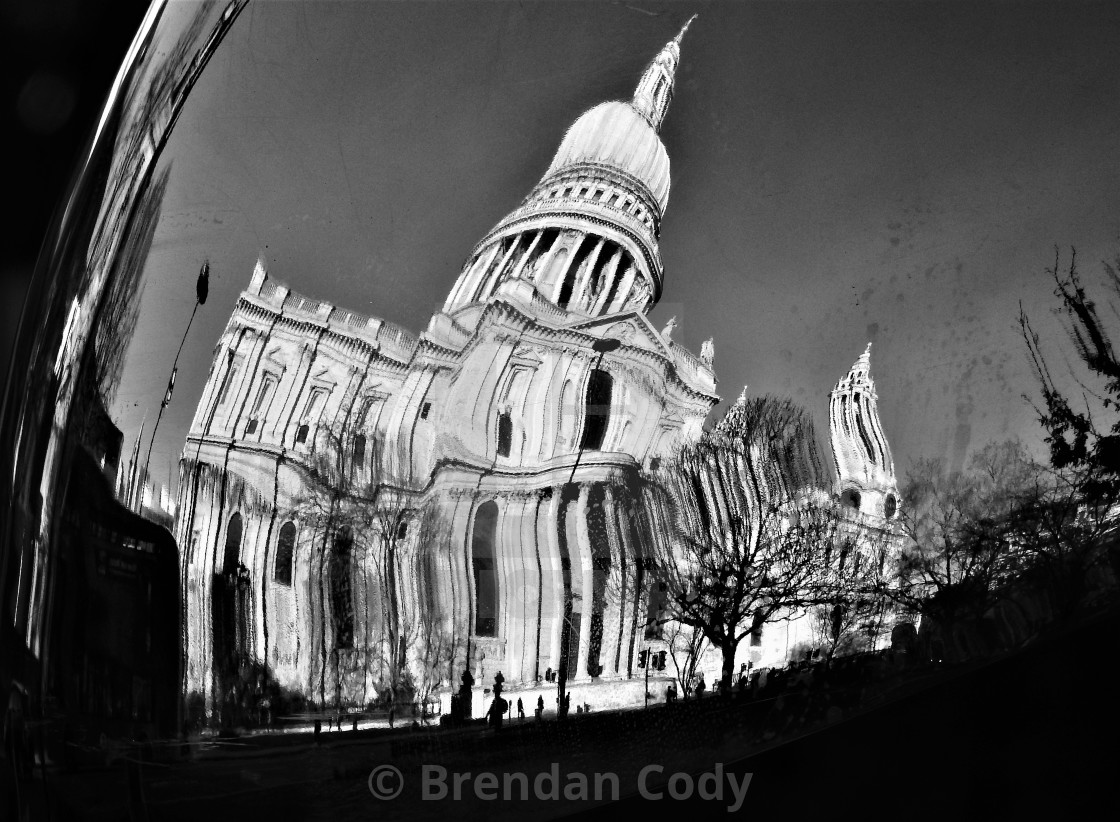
(580, 268)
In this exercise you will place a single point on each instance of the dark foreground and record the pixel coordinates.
(1025, 735)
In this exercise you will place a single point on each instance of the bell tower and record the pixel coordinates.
(864, 467)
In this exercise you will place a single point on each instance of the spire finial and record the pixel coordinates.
(655, 89)
(861, 368)
(684, 28)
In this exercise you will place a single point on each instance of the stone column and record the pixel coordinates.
(469, 282)
(610, 273)
(616, 591)
(632, 599)
(573, 252)
(525, 257)
(552, 586)
(582, 570)
(622, 294)
(581, 290)
(493, 275)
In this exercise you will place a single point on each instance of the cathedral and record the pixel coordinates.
(359, 503)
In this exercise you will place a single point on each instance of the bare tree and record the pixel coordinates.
(1061, 536)
(333, 501)
(1083, 433)
(361, 523)
(859, 566)
(964, 534)
(687, 644)
(431, 637)
(751, 524)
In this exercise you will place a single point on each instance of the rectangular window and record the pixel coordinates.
(311, 411)
(223, 395)
(360, 451)
(505, 434)
(264, 395)
(597, 409)
(314, 403)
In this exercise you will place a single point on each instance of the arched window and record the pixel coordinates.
(285, 550)
(342, 606)
(890, 506)
(485, 569)
(597, 409)
(233, 545)
(505, 433)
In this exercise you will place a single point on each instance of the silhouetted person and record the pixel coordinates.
(318, 730)
(540, 707)
(520, 709)
(465, 695)
(700, 686)
(497, 709)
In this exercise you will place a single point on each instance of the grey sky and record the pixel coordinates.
(842, 173)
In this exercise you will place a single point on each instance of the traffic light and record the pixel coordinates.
(661, 660)
(643, 657)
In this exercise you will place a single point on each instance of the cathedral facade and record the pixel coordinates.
(356, 500)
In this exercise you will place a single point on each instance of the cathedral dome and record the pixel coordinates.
(616, 135)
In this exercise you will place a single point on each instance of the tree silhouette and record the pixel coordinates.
(860, 566)
(964, 533)
(1086, 441)
(360, 522)
(751, 524)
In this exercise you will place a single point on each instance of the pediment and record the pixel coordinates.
(633, 328)
(527, 355)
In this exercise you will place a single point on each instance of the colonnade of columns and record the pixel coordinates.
(574, 269)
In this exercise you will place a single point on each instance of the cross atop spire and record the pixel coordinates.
(655, 89)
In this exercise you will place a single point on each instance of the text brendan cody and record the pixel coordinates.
(716, 785)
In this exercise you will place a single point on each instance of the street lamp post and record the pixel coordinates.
(603, 346)
(202, 289)
(648, 664)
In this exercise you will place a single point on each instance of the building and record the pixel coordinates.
(506, 439)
